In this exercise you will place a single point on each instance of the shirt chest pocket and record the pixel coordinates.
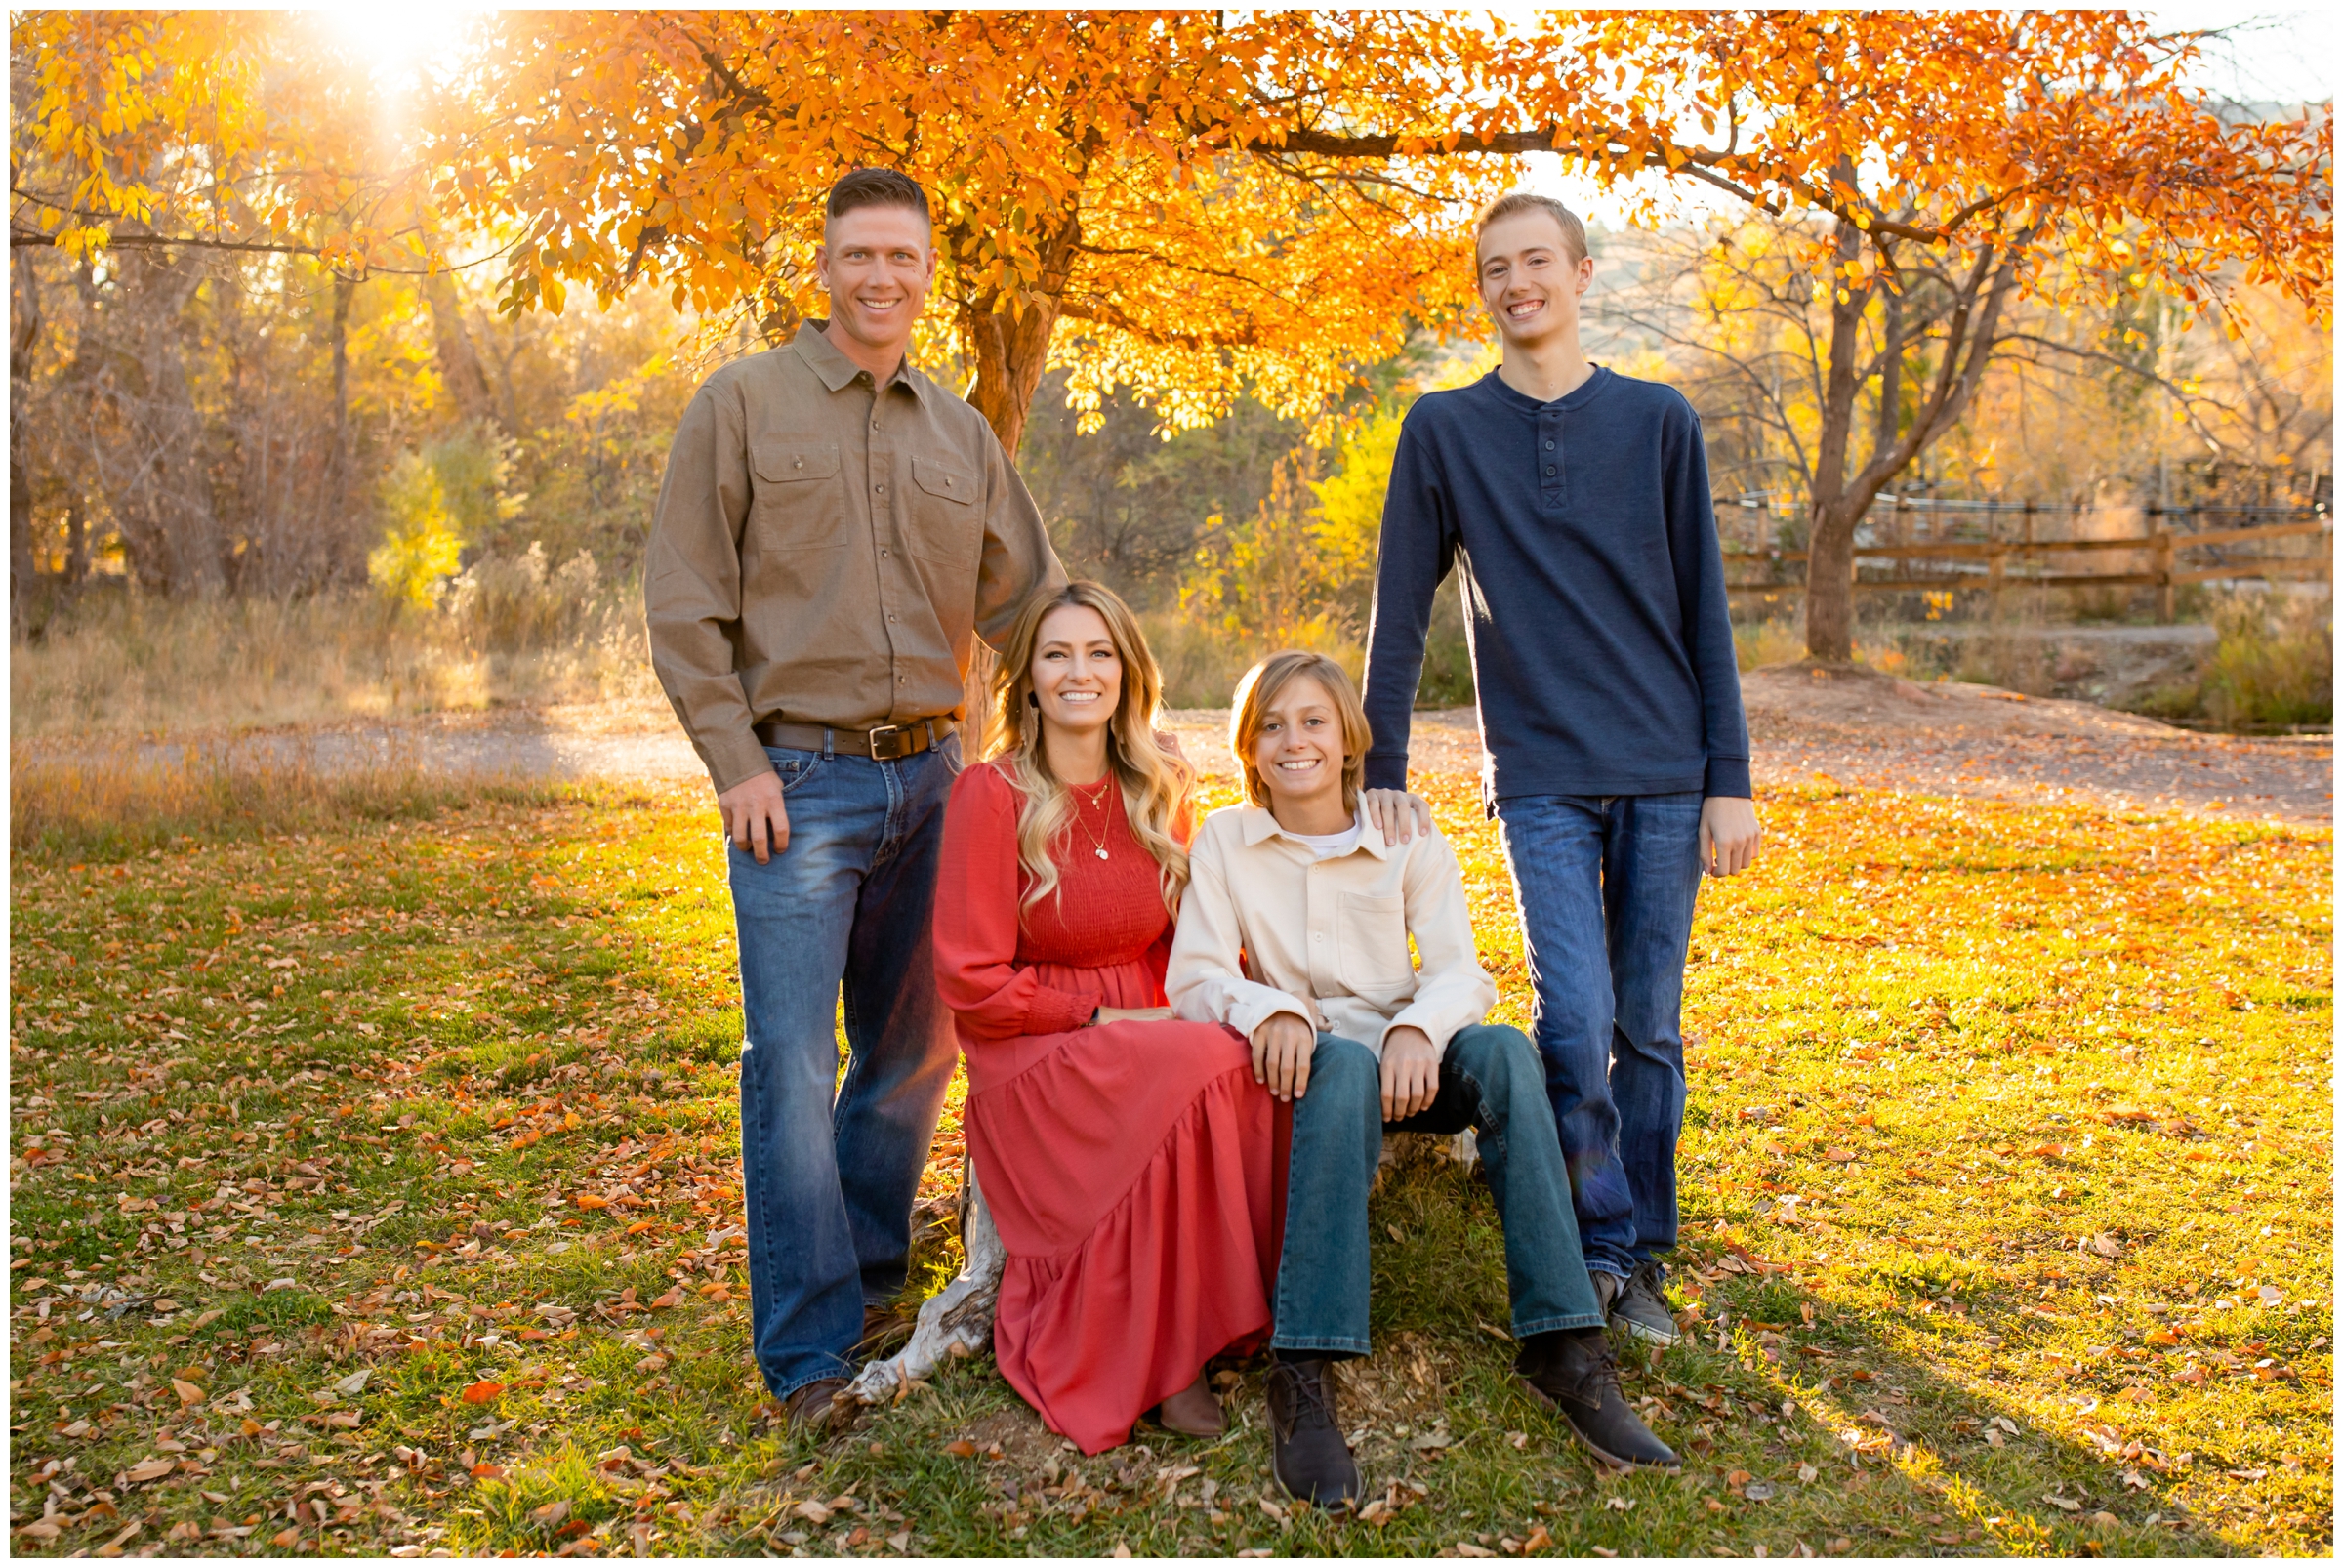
(1371, 934)
(946, 522)
(798, 504)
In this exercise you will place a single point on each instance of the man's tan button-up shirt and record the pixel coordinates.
(824, 551)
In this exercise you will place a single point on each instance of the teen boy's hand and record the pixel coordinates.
(1399, 814)
(1728, 835)
(1281, 1055)
(1411, 1072)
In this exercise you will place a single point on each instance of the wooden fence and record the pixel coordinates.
(1993, 546)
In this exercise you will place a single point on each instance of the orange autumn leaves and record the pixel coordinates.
(1190, 203)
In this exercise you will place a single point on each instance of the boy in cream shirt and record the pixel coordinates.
(1293, 932)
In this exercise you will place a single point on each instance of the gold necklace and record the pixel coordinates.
(1097, 840)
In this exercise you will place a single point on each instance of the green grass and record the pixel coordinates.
(1982, 1046)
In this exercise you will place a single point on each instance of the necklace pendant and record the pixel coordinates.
(1102, 852)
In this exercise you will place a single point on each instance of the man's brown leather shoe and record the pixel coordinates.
(817, 1410)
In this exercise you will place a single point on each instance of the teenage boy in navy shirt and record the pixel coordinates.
(1575, 503)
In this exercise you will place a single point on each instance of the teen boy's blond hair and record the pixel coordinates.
(1260, 687)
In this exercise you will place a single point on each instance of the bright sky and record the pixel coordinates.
(2264, 56)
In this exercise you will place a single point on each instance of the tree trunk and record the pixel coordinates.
(1009, 340)
(23, 334)
(338, 487)
(1889, 425)
(459, 367)
(1009, 349)
(173, 493)
(1830, 530)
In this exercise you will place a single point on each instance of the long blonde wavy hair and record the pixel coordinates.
(1158, 786)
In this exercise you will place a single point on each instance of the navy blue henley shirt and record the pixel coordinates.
(1594, 591)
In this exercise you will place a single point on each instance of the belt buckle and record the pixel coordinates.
(890, 741)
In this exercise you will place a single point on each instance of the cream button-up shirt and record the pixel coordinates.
(1265, 927)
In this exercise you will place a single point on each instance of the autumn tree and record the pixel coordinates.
(1193, 203)
(162, 166)
(1923, 171)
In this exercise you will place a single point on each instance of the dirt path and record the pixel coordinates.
(1869, 730)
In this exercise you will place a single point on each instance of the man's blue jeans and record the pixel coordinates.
(830, 1168)
(1607, 885)
(1490, 1080)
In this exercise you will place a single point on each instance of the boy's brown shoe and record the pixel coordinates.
(1306, 1450)
(1574, 1373)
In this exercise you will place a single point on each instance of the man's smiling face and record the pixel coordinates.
(876, 263)
(1530, 285)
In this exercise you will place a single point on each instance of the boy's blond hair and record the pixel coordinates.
(1260, 687)
(1513, 202)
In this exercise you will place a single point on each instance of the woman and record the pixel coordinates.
(1126, 1156)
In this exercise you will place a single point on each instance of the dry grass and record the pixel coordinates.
(128, 664)
(120, 798)
(376, 1191)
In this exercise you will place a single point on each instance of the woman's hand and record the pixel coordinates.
(1281, 1055)
(1130, 1014)
(1411, 1072)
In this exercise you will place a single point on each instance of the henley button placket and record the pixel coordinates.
(1550, 480)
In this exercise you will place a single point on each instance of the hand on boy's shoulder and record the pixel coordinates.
(1400, 816)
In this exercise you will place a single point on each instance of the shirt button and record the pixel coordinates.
(881, 489)
(882, 555)
(902, 680)
(1550, 446)
(1550, 468)
(890, 619)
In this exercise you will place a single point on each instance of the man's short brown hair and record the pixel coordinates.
(1514, 202)
(1260, 687)
(877, 188)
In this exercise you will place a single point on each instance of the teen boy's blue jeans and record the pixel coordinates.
(832, 1167)
(1607, 885)
(1490, 1080)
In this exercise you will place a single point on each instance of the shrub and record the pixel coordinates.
(2274, 664)
(527, 603)
(419, 548)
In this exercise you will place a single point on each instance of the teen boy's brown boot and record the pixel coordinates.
(1572, 1372)
(1306, 1450)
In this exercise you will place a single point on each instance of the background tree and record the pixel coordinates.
(1934, 168)
(210, 177)
(1191, 205)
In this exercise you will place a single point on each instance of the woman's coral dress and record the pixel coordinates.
(1128, 1165)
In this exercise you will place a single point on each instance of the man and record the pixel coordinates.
(1577, 501)
(833, 529)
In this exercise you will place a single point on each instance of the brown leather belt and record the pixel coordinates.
(884, 744)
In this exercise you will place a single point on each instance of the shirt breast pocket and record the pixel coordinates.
(797, 503)
(946, 522)
(1371, 932)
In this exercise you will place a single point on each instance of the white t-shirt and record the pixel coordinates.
(1327, 846)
